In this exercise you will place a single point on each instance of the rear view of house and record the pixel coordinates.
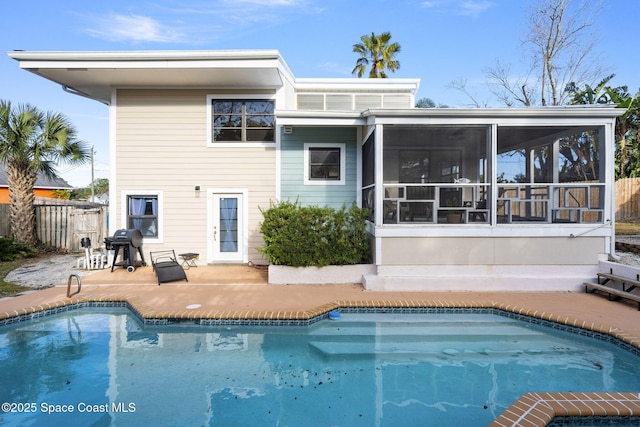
(474, 199)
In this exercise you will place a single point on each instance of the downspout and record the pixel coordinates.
(610, 138)
(607, 169)
(613, 253)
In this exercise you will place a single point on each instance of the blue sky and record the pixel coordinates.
(441, 40)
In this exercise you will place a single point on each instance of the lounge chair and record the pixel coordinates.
(166, 267)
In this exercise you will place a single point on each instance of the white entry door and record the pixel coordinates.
(227, 227)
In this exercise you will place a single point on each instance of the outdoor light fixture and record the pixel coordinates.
(197, 188)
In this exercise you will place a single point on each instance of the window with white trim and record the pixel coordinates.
(242, 120)
(142, 210)
(142, 214)
(324, 164)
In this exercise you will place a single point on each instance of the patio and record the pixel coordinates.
(233, 291)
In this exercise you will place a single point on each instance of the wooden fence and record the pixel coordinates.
(628, 198)
(62, 226)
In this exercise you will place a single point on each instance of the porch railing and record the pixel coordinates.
(472, 203)
(551, 203)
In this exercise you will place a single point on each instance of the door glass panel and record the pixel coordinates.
(228, 224)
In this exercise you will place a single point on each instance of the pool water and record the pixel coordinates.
(360, 370)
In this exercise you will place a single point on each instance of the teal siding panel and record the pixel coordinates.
(292, 167)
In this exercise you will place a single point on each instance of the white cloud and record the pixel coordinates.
(194, 22)
(474, 8)
(132, 28)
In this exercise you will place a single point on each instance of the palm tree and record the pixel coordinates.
(376, 50)
(31, 143)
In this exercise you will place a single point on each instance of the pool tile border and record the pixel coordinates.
(151, 316)
(540, 409)
(532, 409)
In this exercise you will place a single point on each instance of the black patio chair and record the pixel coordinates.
(166, 267)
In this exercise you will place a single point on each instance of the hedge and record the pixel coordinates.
(306, 236)
(11, 249)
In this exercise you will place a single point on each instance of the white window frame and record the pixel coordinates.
(125, 211)
(343, 157)
(210, 143)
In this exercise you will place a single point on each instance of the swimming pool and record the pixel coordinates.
(88, 368)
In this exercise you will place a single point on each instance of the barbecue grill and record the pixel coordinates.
(126, 242)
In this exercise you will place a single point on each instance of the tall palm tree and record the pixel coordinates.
(377, 51)
(31, 143)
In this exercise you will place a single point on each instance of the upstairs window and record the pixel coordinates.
(242, 120)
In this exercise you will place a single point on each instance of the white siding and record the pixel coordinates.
(161, 145)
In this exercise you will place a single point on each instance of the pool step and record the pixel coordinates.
(438, 339)
(422, 329)
(449, 349)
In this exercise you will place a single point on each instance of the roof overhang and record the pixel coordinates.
(96, 74)
(562, 112)
(518, 127)
(458, 116)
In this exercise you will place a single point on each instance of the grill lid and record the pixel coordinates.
(131, 236)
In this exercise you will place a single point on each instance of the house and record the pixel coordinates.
(45, 187)
(459, 199)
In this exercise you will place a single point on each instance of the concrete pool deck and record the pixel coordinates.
(242, 292)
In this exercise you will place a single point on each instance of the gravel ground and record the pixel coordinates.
(629, 258)
(47, 272)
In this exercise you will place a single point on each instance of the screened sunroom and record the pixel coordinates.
(488, 199)
(498, 172)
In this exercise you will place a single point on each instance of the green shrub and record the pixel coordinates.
(314, 236)
(11, 250)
